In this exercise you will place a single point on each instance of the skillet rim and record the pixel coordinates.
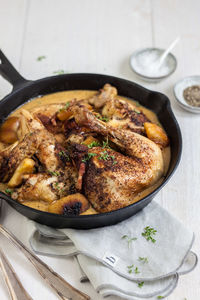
(28, 83)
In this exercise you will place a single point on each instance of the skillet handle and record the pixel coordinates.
(10, 73)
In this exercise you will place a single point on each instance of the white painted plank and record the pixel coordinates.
(12, 24)
(172, 18)
(85, 36)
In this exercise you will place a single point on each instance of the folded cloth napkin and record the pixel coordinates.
(141, 257)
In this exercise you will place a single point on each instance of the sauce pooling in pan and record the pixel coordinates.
(82, 152)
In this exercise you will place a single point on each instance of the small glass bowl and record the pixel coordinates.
(170, 60)
(179, 88)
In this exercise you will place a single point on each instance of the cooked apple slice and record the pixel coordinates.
(25, 167)
(156, 134)
(8, 131)
(89, 211)
(39, 205)
(72, 205)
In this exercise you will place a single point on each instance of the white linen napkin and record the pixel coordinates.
(119, 260)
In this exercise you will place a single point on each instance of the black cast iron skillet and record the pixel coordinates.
(24, 90)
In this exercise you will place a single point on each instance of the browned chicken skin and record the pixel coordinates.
(108, 92)
(112, 179)
(44, 187)
(119, 113)
(53, 158)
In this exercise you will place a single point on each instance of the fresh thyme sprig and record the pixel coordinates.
(106, 144)
(129, 239)
(39, 58)
(58, 187)
(137, 112)
(65, 107)
(88, 156)
(106, 156)
(8, 191)
(143, 259)
(140, 284)
(148, 232)
(54, 173)
(102, 118)
(130, 269)
(64, 155)
(93, 144)
(136, 270)
(59, 72)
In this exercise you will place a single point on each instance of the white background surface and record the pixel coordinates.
(99, 36)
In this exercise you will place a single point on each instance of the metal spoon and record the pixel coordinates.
(16, 290)
(63, 289)
(162, 58)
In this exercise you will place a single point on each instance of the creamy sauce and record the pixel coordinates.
(63, 97)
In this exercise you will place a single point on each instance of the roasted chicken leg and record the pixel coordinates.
(112, 179)
(55, 167)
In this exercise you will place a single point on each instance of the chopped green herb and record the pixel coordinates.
(59, 72)
(102, 118)
(130, 267)
(104, 155)
(105, 119)
(143, 259)
(8, 191)
(89, 155)
(65, 107)
(160, 297)
(140, 284)
(129, 239)
(106, 144)
(39, 58)
(64, 155)
(148, 232)
(137, 103)
(113, 158)
(124, 236)
(136, 270)
(56, 185)
(93, 144)
(137, 112)
(54, 173)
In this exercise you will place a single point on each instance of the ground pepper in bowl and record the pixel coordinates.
(192, 95)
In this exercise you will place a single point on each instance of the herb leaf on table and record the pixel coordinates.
(148, 233)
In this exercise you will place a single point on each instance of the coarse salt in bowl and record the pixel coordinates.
(144, 63)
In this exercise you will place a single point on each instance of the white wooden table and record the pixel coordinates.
(99, 36)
